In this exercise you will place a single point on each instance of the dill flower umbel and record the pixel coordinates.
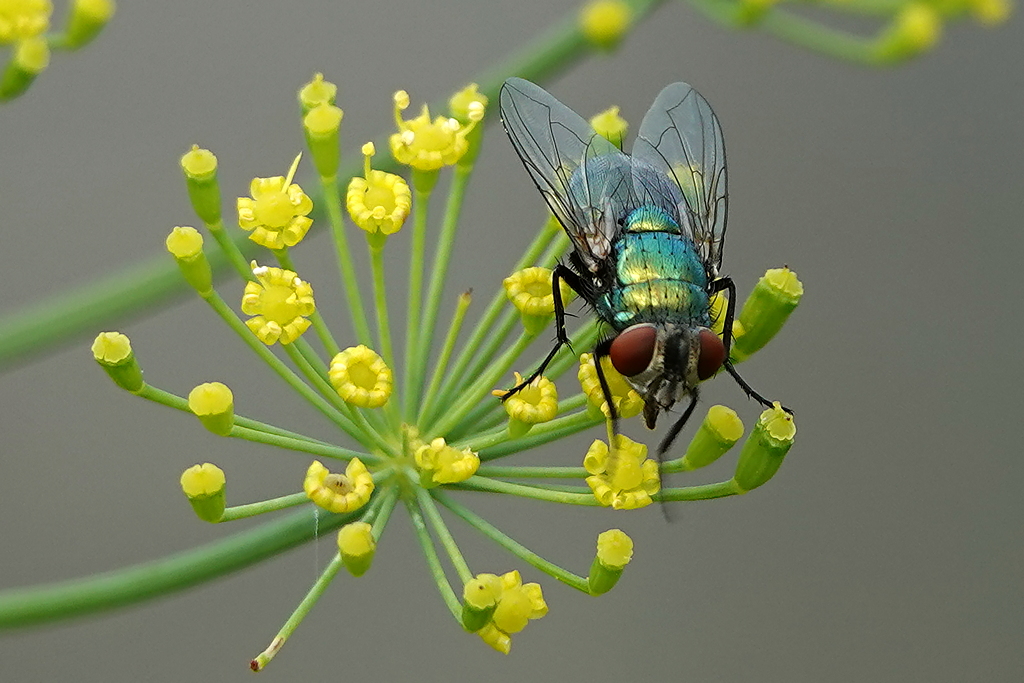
(416, 439)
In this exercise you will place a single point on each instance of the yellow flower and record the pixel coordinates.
(278, 301)
(316, 92)
(614, 551)
(529, 290)
(614, 548)
(428, 145)
(379, 201)
(515, 605)
(627, 402)
(624, 480)
(535, 403)
(361, 377)
(21, 19)
(609, 125)
(339, 492)
(277, 212)
(439, 463)
(605, 22)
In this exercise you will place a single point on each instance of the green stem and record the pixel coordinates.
(541, 434)
(518, 549)
(701, 492)
(252, 509)
(470, 396)
(444, 535)
(430, 397)
(421, 207)
(520, 472)
(304, 608)
(128, 585)
(438, 275)
(434, 562)
(231, 251)
(350, 285)
(478, 483)
(259, 432)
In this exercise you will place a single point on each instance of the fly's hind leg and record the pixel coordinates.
(560, 273)
(726, 283)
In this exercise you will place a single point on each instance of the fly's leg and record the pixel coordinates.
(666, 443)
(726, 283)
(560, 272)
(674, 430)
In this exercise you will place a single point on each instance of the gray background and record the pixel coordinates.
(888, 548)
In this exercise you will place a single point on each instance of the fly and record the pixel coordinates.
(647, 231)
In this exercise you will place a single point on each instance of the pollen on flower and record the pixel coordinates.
(361, 377)
(625, 481)
(535, 403)
(515, 606)
(23, 19)
(277, 212)
(427, 145)
(379, 201)
(439, 463)
(627, 402)
(339, 492)
(278, 300)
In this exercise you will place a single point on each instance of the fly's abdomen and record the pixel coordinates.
(660, 277)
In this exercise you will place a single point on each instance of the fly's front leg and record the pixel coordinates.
(560, 273)
(726, 283)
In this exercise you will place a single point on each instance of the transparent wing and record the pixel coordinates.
(584, 178)
(681, 137)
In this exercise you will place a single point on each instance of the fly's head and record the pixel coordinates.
(664, 362)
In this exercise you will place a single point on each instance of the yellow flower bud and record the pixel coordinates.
(204, 486)
(214, 405)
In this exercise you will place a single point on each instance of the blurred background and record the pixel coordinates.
(888, 547)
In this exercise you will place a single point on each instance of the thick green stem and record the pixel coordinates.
(128, 585)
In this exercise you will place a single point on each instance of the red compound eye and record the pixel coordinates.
(632, 350)
(712, 354)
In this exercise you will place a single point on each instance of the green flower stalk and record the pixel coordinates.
(438, 430)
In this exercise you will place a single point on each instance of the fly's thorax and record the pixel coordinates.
(664, 362)
(657, 276)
